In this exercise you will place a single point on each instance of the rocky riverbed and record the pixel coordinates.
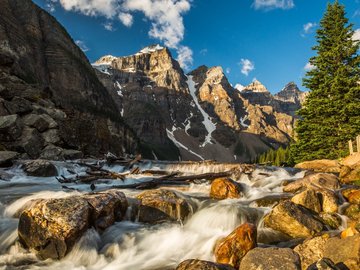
(53, 217)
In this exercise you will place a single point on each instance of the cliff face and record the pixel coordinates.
(42, 67)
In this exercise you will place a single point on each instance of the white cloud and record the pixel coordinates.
(246, 66)
(356, 35)
(109, 26)
(308, 28)
(107, 8)
(309, 66)
(126, 18)
(185, 57)
(82, 45)
(273, 4)
(239, 87)
(228, 70)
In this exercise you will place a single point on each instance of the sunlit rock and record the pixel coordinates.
(225, 188)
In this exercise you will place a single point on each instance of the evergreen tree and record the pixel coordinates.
(330, 116)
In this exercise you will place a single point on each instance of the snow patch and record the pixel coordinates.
(151, 49)
(209, 125)
(103, 68)
(122, 112)
(242, 121)
(171, 136)
(187, 123)
(119, 92)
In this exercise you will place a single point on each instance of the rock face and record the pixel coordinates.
(234, 247)
(7, 157)
(270, 259)
(200, 114)
(49, 93)
(202, 265)
(162, 205)
(225, 188)
(293, 220)
(51, 227)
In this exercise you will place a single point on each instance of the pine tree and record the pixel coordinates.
(331, 114)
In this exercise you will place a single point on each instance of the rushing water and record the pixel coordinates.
(131, 245)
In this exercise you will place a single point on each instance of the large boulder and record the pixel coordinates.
(51, 136)
(162, 205)
(314, 181)
(293, 220)
(270, 259)
(51, 227)
(350, 174)
(344, 251)
(224, 188)
(311, 250)
(40, 168)
(31, 142)
(18, 105)
(234, 247)
(202, 265)
(309, 199)
(40, 122)
(322, 165)
(10, 127)
(7, 157)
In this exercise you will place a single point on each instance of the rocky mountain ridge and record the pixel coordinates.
(200, 113)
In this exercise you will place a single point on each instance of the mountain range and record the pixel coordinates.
(54, 103)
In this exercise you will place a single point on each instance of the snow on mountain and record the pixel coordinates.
(151, 49)
(239, 87)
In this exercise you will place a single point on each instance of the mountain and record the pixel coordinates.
(197, 116)
(51, 101)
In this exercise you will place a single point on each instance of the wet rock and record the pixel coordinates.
(10, 127)
(314, 181)
(322, 165)
(108, 207)
(40, 168)
(162, 205)
(72, 154)
(233, 248)
(354, 197)
(311, 250)
(345, 251)
(270, 259)
(353, 212)
(271, 200)
(293, 220)
(349, 232)
(323, 264)
(202, 265)
(349, 175)
(7, 157)
(225, 188)
(329, 201)
(51, 136)
(18, 106)
(30, 142)
(52, 152)
(40, 122)
(308, 199)
(51, 227)
(333, 220)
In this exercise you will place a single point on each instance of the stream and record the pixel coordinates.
(133, 245)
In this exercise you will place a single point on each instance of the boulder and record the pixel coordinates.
(31, 142)
(354, 197)
(51, 227)
(324, 264)
(270, 259)
(162, 205)
(351, 160)
(108, 207)
(202, 265)
(333, 220)
(52, 152)
(40, 168)
(348, 175)
(233, 248)
(329, 201)
(36, 121)
(293, 220)
(322, 165)
(353, 212)
(51, 136)
(18, 106)
(308, 199)
(10, 127)
(311, 250)
(7, 157)
(225, 188)
(70, 154)
(344, 251)
(314, 181)
(350, 231)
(3, 110)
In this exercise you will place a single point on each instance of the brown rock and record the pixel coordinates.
(333, 220)
(308, 199)
(233, 248)
(351, 160)
(40, 168)
(311, 250)
(7, 157)
(270, 259)
(354, 197)
(293, 220)
(348, 232)
(322, 165)
(162, 205)
(344, 251)
(224, 188)
(353, 212)
(314, 181)
(202, 265)
(51, 227)
(324, 264)
(329, 201)
(348, 175)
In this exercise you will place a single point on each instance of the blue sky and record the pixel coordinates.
(269, 40)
